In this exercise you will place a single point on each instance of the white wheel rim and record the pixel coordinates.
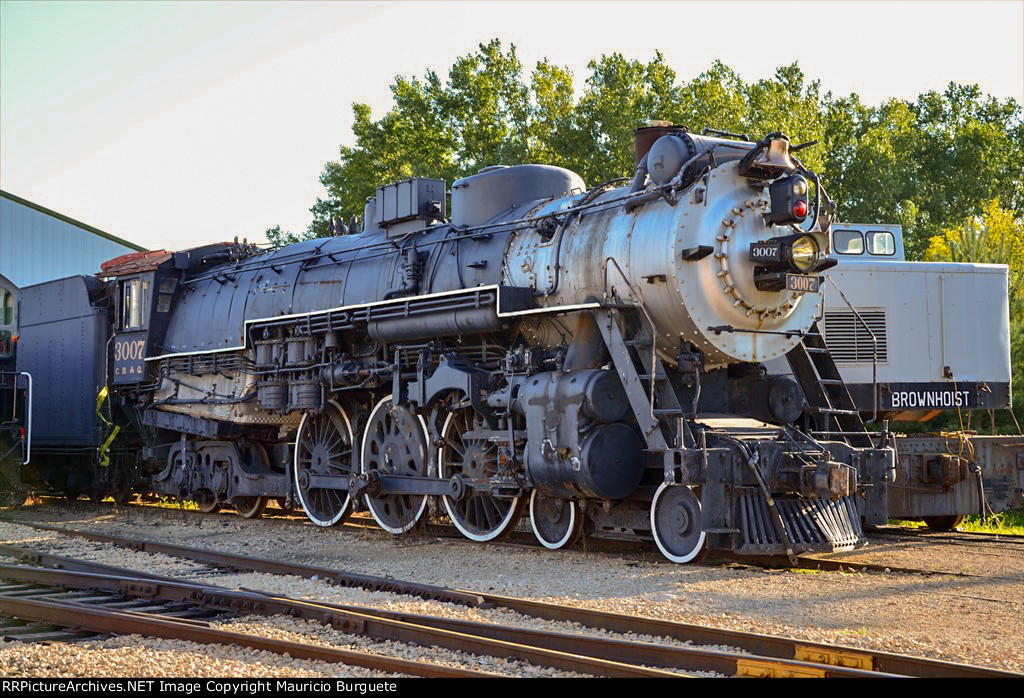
(569, 529)
(654, 529)
(479, 538)
(362, 466)
(295, 472)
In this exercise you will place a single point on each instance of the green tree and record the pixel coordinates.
(929, 164)
(481, 116)
(277, 237)
(620, 96)
(926, 164)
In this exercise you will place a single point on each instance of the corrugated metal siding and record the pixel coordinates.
(36, 247)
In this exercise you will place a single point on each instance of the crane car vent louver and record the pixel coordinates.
(850, 342)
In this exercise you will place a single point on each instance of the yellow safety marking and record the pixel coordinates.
(104, 449)
(851, 660)
(767, 669)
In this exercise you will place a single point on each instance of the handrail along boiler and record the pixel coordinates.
(568, 350)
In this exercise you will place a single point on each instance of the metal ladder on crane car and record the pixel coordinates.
(833, 413)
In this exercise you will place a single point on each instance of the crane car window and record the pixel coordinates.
(881, 242)
(848, 242)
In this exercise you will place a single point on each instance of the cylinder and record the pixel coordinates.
(300, 351)
(610, 466)
(604, 399)
(265, 353)
(454, 322)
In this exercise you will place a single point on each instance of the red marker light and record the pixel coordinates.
(800, 209)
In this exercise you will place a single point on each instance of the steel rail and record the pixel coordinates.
(763, 645)
(584, 654)
(357, 621)
(690, 658)
(953, 537)
(121, 623)
(257, 564)
(525, 540)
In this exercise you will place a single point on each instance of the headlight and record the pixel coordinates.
(803, 253)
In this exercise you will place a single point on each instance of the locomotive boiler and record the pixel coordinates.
(593, 354)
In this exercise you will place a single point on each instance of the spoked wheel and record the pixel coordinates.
(207, 501)
(943, 523)
(556, 522)
(323, 446)
(481, 516)
(249, 507)
(395, 443)
(676, 523)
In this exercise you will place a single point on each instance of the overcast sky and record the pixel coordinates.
(171, 124)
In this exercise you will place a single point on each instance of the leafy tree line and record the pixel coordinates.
(927, 164)
(947, 166)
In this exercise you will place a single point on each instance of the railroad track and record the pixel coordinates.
(80, 605)
(755, 655)
(1001, 540)
(638, 549)
(48, 589)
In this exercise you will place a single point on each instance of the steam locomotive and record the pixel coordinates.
(595, 355)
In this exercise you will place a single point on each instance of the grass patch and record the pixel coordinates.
(1007, 522)
(172, 503)
(903, 523)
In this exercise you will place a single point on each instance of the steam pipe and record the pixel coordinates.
(640, 178)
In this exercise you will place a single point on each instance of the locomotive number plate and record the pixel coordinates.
(803, 282)
(129, 358)
(765, 252)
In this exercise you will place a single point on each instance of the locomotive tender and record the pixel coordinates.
(596, 354)
(15, 399)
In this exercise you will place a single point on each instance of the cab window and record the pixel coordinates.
(848, 242)
(881, 242)
(134, 301)
(6, 307)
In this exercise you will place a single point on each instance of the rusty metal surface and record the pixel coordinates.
(255, 564)
(355, 621)
(651, 654)
(921, 490)
(105, 621)
(29, 556)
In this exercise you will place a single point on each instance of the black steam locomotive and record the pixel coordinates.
(594, 353)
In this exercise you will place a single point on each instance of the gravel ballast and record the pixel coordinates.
(975, 619)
